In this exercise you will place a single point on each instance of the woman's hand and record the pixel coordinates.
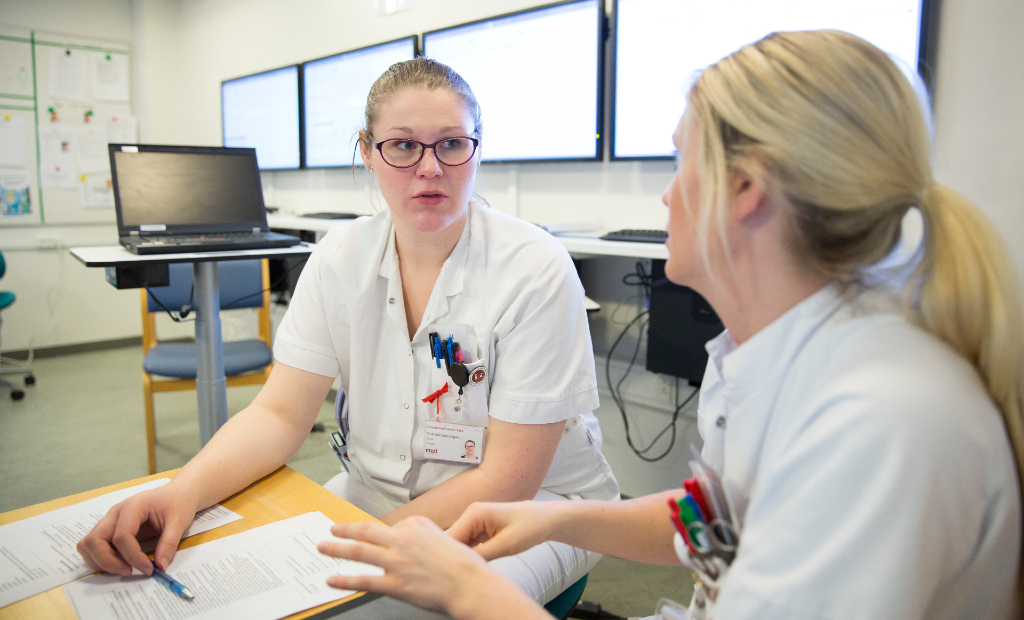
(113, 544)
(425, 567)
(502, 529)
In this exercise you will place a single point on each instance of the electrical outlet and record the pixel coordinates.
(49, 240)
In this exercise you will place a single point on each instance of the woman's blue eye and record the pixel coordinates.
(452, 143)
(405, 145)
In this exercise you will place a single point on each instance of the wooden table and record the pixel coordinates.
(283, 494)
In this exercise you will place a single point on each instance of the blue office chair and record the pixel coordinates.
(6, 299)
(561, 605)
(243, 284)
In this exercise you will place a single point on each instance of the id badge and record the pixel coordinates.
(458, 443)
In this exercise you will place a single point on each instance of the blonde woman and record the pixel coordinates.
(868, 435)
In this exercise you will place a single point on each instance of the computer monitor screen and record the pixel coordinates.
(660, 45)
(262, 111)
(334, 99)
(537, 76)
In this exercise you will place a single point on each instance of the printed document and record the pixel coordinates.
(39, 553)
(264, 573)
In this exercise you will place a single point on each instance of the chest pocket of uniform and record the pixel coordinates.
(478, 352)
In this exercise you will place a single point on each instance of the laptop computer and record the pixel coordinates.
(173, 199)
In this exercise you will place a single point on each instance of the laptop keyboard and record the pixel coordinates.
(174, 240)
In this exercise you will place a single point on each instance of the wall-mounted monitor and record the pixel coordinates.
(334, 99)
(538, 77)
(262, 111)
(660, 45)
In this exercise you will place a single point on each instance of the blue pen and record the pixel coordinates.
(172, 584)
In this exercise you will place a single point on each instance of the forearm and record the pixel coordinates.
(494, 597)
(444, 503)
(252, 444)
(638, 529)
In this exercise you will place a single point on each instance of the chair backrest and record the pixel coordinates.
(3, 265)
(242, 284)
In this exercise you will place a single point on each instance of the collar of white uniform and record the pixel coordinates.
(453, 272)
(766, 355)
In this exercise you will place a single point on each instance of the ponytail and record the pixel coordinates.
(965, 291)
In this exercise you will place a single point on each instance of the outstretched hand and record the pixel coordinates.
(496, 530)
(113, 544)
(423, 566)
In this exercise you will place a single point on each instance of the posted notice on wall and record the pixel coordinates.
(67, 74)
(109, 76)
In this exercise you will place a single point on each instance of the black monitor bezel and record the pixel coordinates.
(927, 53)
(299, 101)
(240, 151)
(416, 51)
(602, 32)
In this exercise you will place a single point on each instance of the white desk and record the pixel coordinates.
(579, 247)
(211, 386)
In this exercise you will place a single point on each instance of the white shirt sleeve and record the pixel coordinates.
(303, 339)
(544, 370)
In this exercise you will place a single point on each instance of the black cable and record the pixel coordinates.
(287, 272)
(641, 278)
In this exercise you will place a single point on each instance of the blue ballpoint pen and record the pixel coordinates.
(173, 584)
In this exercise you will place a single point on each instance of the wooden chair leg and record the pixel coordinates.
(147, 391)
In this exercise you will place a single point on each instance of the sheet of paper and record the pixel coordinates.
(57, 166)
(67, 74)
(109, 76)
(39, 553)
(15, 68)
(13, 141)
(91, 149)
(265, 573)
(123, 129)
(96, 190)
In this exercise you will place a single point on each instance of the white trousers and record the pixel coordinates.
(543, 572)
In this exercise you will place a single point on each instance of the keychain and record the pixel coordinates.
(460, 377)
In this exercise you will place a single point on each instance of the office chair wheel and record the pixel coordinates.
(30, 380)
(17, 394)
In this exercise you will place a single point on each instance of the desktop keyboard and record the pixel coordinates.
(644, 236)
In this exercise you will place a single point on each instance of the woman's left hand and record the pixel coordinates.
(422, 565)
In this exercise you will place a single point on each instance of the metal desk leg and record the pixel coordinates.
(211, 387)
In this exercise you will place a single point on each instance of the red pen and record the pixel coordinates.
(693, 488)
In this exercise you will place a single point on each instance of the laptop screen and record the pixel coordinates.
(191, 190)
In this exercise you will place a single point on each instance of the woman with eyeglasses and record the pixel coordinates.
(863, 409)
(449, 323)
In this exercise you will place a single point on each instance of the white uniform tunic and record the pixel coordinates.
(513, 289)
(869, 468)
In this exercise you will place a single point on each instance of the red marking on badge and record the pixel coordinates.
(478, 375)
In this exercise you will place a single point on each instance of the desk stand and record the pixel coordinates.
(211, 385)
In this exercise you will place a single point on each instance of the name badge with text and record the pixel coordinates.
(458, 443)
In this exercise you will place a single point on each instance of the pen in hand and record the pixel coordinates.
(173, 584)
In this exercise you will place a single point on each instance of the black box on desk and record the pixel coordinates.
(681, 324)
(139, 275)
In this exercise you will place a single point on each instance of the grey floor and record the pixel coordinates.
(82, 427)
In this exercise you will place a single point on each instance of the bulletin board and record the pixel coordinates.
(55, 126)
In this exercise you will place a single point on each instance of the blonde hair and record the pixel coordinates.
(422, 73)
(842, 135)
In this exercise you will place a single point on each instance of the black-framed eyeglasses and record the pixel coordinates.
(406, 153)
